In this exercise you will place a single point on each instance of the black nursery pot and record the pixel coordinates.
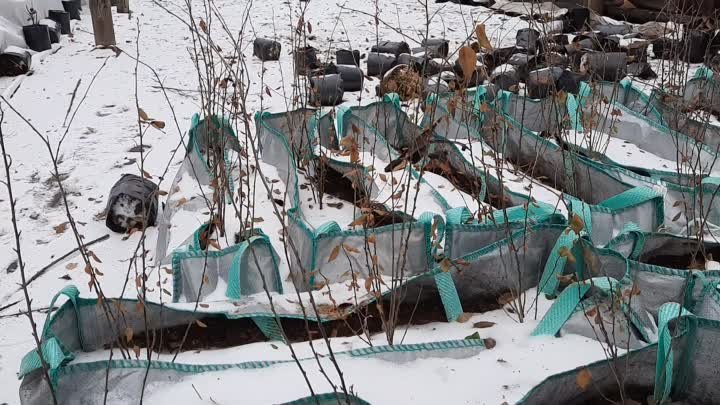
(54, 34)
(346, 57)
(379, 63)
(576, 19)
(37, 37)
(61, 17)
(266, 49)
(73, 8)
(305, 60)
(352, 77)
(326, 90)
(394, 48)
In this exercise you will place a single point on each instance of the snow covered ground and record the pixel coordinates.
(101, 145)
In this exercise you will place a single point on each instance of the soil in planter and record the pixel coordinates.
(218, 332)
(682, 262)
(334, 183)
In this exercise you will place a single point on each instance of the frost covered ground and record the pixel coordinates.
(102, 144)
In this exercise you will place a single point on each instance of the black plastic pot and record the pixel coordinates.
(614, 29)
(379, 63)
(505, 77)
(662, 48)
(527, 39)
(73, 8)
(305, 60)
(54, 30)
(130, 198)
(326, 90)
(352, 77)
(523, 63)
(560, 39)
(541, 83)
(610, 66)
(576, 19)
(15, 63)
(695, 44)
(266, 49)
(394, 48)
(61, 17)
(637, 51)
(569, 82)
(346, 57)
(37, 37)
(556, 59)
(641, 70)
(436, 48)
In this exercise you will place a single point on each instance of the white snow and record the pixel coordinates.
(96, 152)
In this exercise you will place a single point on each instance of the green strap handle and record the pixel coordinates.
(630, 231)
(566, 303)
(556, 263)
(52, 350)
(664, 365)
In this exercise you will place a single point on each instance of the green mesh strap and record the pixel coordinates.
(478, 98)
(269, 327)
(565, 304)
(52, 353)
(331, 398)
(72, 293)
(664, 364)
(449, 295)
(458, 216)
(556, 263)
(573, 107)
(703, 73)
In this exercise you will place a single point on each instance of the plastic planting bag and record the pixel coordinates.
(132, 204)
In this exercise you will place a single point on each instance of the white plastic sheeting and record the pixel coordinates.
(13, 15)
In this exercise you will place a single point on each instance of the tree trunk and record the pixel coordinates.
(123, 6)
(101, 13)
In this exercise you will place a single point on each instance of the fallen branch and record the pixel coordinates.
(61, 258)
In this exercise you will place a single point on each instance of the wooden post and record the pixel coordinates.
(101, 13)
(123, 6)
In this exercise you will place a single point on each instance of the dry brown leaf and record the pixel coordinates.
(128, 334)
(464, 317)
(368, 284)
(94, 256)
(583, 379)
(147, 175)
(577, 224)
(158, 124)
(383, 177)
(566, 253)
(142, 114)
(350, 249)
(203, 305)
(372, 239)
(361, 220)
(483, 324)
(482, 38)
(162, 192)
(676, 217)
(258, 220)
(467, 60)
(61, 228)
(181, 202)
(203, 26)
(200, 323)
(445, 265)
(215, 244)
(489, 343)
(71, 266)
(334, 254)
(136, 349)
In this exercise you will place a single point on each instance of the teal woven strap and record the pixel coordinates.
(269, 327)
(52, 353)
(631, 232)
(478, 98)
(331, 398)
(664, 364)
(556, 262)
(458, 216)
(449, 295)
(703, 73)
(566, 303)
(572, 105)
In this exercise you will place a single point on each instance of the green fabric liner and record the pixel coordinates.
(664, 381)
